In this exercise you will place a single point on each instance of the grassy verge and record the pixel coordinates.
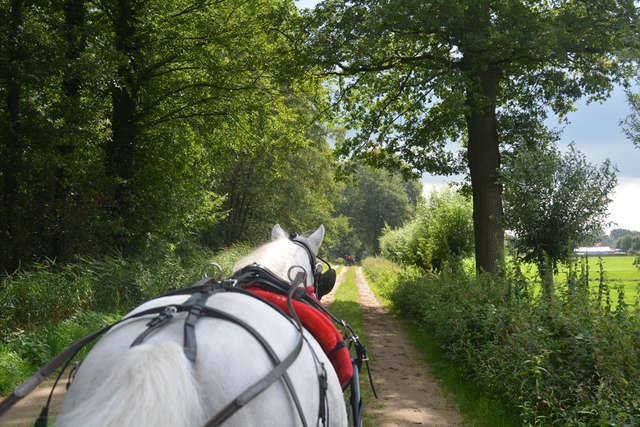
(347, 307)
(615, 273)
(563, 359)
(28, 351)
(479, 408)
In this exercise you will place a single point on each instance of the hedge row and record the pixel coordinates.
(41, 294)
(569, 360)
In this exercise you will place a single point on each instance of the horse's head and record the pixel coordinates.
(282, 253)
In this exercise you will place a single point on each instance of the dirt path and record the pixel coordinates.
(28, 409)
(408, 395)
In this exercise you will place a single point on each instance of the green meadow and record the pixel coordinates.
(615, 272)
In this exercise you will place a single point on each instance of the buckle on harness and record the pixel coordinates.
(155, 323)
(163, 317)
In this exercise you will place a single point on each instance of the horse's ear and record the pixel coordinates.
(277, 232)
(315, 240)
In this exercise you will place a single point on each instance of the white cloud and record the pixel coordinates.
(625, 207)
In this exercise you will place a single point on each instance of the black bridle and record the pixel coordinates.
(322, 282)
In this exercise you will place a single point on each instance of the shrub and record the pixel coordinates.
(441, 235)
(27, 351)
(43, 310)
(13, 370)
(44, 294)
(382, 271)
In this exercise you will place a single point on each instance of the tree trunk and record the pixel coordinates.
(545, 269)
(121, 149)
(484, 164)
(73, 30)
(12, 162)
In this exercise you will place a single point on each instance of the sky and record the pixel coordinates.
(596, 132)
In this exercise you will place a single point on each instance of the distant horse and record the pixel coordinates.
(155, 383)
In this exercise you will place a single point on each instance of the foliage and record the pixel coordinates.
(28, 351)
(620, 232)
(569, 361)
(13, 370)
(628, 243)
(382, 271)
(440, 235)
(374, 200)
(34, 332)
(631, 124)
(552, 202)
(41, 295)
(115, 113)
(410, 76)
(291, 185)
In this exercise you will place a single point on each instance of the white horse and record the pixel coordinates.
(155, 384)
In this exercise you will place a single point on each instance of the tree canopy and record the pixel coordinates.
(412, 75)
(374, 200)
(117, 118)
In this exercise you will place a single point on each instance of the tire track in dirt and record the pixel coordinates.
(408, 394)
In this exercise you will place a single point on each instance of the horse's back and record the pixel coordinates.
(155, 384)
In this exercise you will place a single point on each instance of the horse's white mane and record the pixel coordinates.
(280, 253)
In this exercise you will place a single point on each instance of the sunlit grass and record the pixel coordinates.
(346, 306)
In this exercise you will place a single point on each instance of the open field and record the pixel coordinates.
(618, 272)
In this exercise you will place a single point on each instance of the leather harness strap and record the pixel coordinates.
(190, 343)
(280, 370)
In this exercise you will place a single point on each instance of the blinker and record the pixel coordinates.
(323, 282)
(326, 282)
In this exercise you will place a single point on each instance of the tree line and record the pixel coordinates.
(121, 118)
(202, 121)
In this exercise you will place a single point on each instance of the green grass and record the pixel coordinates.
(347, 307)
(619, 273)
(28, 351)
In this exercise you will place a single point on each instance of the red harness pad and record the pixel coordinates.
(322, 329)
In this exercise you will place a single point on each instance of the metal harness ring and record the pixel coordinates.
(209, 264)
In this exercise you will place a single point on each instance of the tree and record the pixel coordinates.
(292, 185)
(628, 243)
(41, 121)
(113, 114)
(413, 75)
(552, 202)
(631, 124)
(375, 200)
(177, 70)
(620, 232)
